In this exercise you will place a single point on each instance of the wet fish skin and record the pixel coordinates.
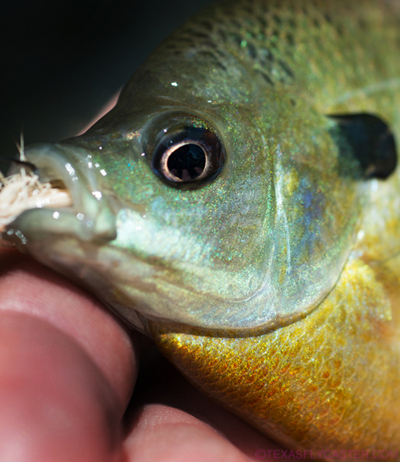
(280, 280)
(314, 384)
(280, 221)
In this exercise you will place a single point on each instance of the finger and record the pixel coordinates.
(66, 369)
(55, 404)
(106, 108)
(28, 287)
(172, 421)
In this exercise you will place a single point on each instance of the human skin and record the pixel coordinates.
(68, 369)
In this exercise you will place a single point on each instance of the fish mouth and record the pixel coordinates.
(74, 240)
(89, 215)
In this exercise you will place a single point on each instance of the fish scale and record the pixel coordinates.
(274, 285)
(313, 384)
(258, 36)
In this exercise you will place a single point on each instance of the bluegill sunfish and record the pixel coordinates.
(240, 205)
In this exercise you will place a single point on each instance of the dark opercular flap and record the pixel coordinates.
(372, 143)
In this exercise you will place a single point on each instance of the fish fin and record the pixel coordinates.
(371, 141)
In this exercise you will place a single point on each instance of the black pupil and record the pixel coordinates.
(187, 162)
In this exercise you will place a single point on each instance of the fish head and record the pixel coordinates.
(221, 209)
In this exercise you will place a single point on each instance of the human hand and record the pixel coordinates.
(67, 371)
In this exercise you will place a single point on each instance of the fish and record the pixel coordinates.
(240, 205)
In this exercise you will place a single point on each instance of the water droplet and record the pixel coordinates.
(97, 194)
(70, 169)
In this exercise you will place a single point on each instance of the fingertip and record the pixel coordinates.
(166, 434)
(55, 403)
(28, 287)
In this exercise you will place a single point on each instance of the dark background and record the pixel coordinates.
(60, 61)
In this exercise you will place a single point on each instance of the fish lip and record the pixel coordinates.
(89, 218)
(53, 163)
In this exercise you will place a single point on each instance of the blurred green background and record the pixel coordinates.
(62, 60)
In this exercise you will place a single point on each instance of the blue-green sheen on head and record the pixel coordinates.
(260, 235)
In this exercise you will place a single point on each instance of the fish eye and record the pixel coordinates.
(188, 155)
